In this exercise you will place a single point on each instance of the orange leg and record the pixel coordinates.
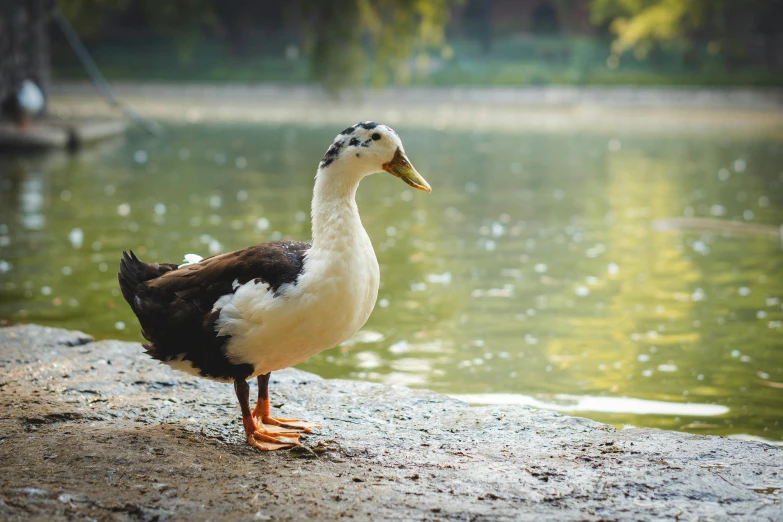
(263, 410)
(259, 436)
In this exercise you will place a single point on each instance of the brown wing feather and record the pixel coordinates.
(176, 312)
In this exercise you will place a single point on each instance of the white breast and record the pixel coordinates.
(330, 301)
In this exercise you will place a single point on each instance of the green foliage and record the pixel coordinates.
(184, 22)
(343, 37)
(87, 15)
(640, 24)
(646, 25)
(334, 44)
(379, 42)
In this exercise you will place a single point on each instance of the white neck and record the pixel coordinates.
(334, 211)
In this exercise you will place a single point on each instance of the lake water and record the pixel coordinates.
(544, 269)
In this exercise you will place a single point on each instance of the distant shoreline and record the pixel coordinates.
(743, 98)
(542, 109)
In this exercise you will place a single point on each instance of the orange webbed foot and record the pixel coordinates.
(278, 425)
(290, 424)
(264, 439)
(265, 442)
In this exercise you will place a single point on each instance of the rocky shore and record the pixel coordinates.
(97, 431)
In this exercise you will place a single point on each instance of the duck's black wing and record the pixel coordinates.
(175, 306)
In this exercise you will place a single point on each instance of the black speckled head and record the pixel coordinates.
(366, 139)
(366, 148)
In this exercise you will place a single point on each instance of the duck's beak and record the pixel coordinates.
(401, 167)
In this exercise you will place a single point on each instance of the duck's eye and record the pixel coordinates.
(376, 136)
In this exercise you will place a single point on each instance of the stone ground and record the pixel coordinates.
(97, 431)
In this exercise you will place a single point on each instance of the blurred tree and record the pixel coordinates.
(723, 25)
(545, 19)
(333, 40)
(390, 38)
(183, 21)
(87, 15)
(343, 37)
(478, 23)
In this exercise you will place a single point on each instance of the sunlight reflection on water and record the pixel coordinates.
(586, 404)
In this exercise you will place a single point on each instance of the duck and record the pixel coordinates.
(245, 314)
(26, 102)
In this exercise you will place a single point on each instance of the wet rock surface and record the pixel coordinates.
(97, 430)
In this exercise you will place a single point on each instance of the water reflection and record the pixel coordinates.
(588, 404)
(542, 266)
(31, 201)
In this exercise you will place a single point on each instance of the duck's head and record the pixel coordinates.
(367, 148)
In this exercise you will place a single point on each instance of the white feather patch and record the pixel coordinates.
(182, 365)
(330, 301)
(191, 259)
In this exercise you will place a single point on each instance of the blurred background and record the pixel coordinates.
(432, 42)
(604, 233)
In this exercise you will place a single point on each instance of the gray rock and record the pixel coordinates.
(97, 430)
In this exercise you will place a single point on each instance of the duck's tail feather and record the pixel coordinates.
(134, 272)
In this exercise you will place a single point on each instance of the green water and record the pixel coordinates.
(533, 273)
